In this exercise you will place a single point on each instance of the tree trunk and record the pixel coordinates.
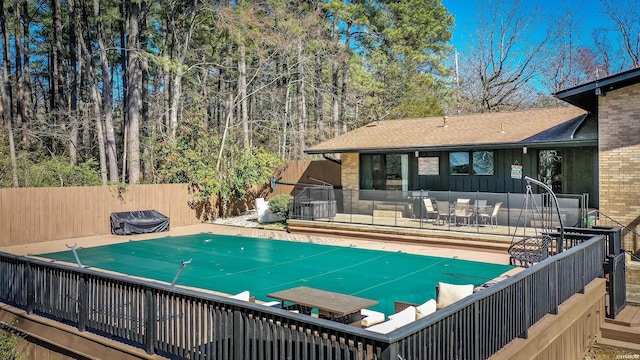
(26, 51)
(20, 93)
(148, 128)
(73, 86)
(124, 51)
(6, 109)
(345, 72)
(319, 99)
(183, 50)
(285, 122)
(107, 97)
(95, 102)
(335, 114)
(58, 76)
(7, 97)
(302, 107)
(242, 87)
(133, 92)
(12, 146)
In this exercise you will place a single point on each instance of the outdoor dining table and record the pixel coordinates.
(331, 305)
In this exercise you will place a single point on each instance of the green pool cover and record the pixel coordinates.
(232, 264)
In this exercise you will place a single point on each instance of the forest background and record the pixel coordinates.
(219, 93)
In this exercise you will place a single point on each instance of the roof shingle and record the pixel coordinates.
(460, 130)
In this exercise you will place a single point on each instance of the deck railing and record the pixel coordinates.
(197, 325)
(516, 213)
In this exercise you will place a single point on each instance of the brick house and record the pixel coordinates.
(616, 102)
(590, 146)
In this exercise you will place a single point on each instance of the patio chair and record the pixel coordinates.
(479, 207)
(444, 211)
(461, 210)
(493, 217)
(430, 211)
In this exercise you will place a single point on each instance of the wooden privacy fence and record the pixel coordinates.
(40, 214)
(299, 174)
(30, 215)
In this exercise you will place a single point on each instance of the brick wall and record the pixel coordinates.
(350, 171)
(351, 181)
(633, 271)
(619, 159)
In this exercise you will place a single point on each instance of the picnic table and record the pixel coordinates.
(330, 305)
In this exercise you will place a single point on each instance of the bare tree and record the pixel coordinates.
(625, 14)
(570, 63)
(504, 57)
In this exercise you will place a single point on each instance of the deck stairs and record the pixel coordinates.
(623, 331)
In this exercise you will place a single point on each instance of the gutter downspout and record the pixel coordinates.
(326, 157)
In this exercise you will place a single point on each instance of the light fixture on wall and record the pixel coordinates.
(524, 150)
(417, 153)
(599, 91)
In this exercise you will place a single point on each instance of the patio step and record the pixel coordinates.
(620, 344)
(415, 236)
(628, 317)
(387, 213)
(623, 331)
(392, 207)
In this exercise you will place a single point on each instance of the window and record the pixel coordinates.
(471, 163)
(384, 172)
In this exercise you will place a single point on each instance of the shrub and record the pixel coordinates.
(10, 344)
(281, 205)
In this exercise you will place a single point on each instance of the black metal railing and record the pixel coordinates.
(490, 213)
(197, 325)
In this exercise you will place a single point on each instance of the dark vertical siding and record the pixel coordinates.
(500, 181)
(580, 172)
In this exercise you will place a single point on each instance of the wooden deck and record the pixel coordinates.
(629, 316)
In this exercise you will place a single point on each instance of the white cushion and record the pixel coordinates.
(450, 293)
(425, 309)
(395, 321)
(384, 327)
(405, 316)
(272, 303)
(371, 317)
(241, 296)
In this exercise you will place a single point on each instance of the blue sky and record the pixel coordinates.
(586, 12)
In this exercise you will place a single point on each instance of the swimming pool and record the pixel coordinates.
(232, 264)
